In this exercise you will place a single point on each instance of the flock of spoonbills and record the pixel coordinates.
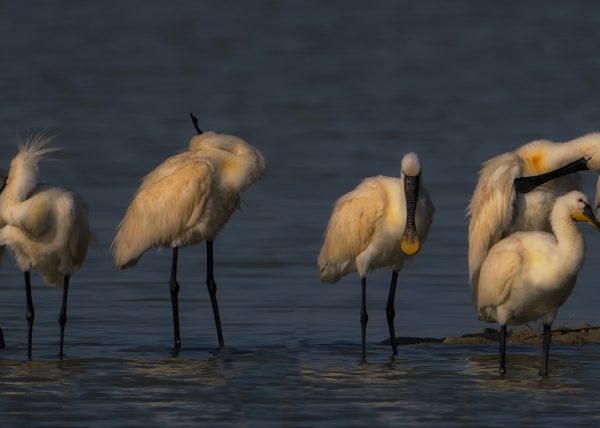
(524, 247)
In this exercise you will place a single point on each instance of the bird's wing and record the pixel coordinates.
(353, 220)
(491, 208)
(499, 272)
(163, 209)
(168, 167)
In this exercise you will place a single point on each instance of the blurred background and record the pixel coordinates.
(331, 92)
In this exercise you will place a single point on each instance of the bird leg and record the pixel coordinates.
(174, 289)
(212, 291)
(547, 335)
(364, 317)
(2, 342)
(30, 314)
(503, 349)
(391, 312)
(62, 318)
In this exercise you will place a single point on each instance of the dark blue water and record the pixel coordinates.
(331, 92)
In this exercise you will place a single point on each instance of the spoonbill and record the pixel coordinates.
(185, 200)
(45, 227)
(516, 191)
(380, 223)
(529, 275)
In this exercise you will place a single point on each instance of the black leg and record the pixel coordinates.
(364, 317)
(391, 312)
(212, 291)
(30, 314)
(547, 335)
(2, 343)
(62, 318)
(174, 289)
(503, 349)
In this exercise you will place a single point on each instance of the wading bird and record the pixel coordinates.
(45, 227)
(516, 191)
(380, 223)
(528, 275)
(186, 200)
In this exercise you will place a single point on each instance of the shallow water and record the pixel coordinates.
(331, 93)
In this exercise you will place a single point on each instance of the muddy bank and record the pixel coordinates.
(560, 335)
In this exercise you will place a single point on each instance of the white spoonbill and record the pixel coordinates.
(186, 200)
(516, 191)
(46, 227)
(380, 223)
(528, 275)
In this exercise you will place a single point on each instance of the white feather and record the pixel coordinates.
(367, 225)
(496, 210)
(45, 227)
(528, 275)
(189, 197)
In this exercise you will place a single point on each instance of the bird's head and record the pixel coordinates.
(545, 160)
(579, 208)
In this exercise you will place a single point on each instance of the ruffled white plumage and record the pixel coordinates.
(45, 227)
(189, 197)
(528, 275)
(496, 210)
(367, 225)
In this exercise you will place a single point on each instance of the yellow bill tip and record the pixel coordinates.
(410, 246)
(579, 216)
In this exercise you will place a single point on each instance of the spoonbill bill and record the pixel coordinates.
(529, 275)
(516, 191)
(383, 221)
(45, 227)
(185, 200)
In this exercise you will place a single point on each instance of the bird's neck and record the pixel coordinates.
(569, 151)
(238, 171)
(571, 245)
(543, 156)
(20, 183)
